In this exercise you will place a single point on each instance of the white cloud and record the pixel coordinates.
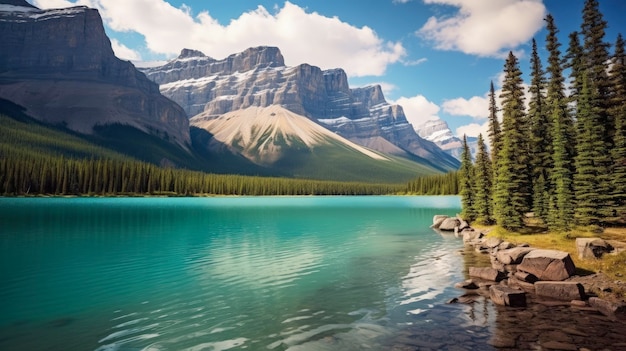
(124, 52)
(473, 129)
(484, 27)
(418, 109)
(414, 62)
(303, 37)
(476, 107)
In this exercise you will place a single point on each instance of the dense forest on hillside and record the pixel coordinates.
(36, 159)
(563, 159)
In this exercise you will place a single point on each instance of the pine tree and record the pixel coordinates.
(618, 111)
(466, 183)
(591, 161)
(596, 60)
(561, 132)
(575, 63)
(482, 184)
(495, 132)
(540, 143)
(512, 188)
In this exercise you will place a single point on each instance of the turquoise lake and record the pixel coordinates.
(228, 273)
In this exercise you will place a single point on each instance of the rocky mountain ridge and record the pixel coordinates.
(258, 77)
(59, 65)
(437, 131)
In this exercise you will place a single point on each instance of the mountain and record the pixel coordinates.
(293, 144)
(437, 131)
(58, 66)
(258, 77)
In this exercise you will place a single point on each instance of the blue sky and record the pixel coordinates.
(434, 57)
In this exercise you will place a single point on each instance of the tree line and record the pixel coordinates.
(30, 175)
(563, 158)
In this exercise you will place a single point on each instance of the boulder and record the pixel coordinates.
(566, 291)
(492, 242)
(514, 282)
(471, 236)
(513, 255)
(468, 284)
(449, 224)
(592, 247)
(525, 277)
(486, 273)
(505, 245)
(463, 224)
(437, 220)
(610, 309)
(506, 296)
(548, 264)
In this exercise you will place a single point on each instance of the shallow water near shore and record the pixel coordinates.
(253, 273)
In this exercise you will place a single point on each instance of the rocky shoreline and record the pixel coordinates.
(519, 270)
(521, 280)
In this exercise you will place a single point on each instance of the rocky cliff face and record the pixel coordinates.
(258, 77)
(59, 65)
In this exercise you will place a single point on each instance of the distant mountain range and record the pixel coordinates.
(246, 114)
(258, 77)
(437, 131)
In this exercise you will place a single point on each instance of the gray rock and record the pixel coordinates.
(468, 284)
(486, 273)
(437, 220)
(610, 309)
(514, 282)
(591, 248)
(548, 264)
(506, 296)
(526, 277)
(513, 255)
(449, 224)
(471, 236)
(566, 291)
(492, 242)
(505, 245)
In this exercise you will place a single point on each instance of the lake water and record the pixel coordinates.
(254, 273)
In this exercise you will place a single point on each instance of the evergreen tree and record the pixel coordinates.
(482, 184)
(596, 60)
(618, 111)
(495, 132)
(512, 186)
(561, 132)
(562, 202)
(540, 144)
(591, 161)
(466, 183)
(575, 62)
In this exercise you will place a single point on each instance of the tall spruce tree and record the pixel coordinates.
(561, 131)
(540, 143)
(495, 131)
(618, 111)
(596, 61)
(482, 184)
(574, 61)
(591, 161)
(466, 183)
(512, 186)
